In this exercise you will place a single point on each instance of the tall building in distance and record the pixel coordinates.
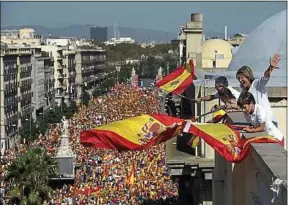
(99, 33)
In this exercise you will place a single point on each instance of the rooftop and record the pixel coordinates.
(265, 40)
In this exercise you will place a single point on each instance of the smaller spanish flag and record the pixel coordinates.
(177, 81)
(194, 141)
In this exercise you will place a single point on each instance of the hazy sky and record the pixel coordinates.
(166, 16)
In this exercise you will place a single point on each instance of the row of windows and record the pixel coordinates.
(10, 77)
(93, 57)
(11, 110)
(10, 64)
(10, 129)
(26, 82)
(10, 70)
(25, 103)
(11, 100)
(27, 96)
(25, 74)
(11, 86)
(26, 88)
(10, 93)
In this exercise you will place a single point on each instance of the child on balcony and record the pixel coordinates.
(258, 117)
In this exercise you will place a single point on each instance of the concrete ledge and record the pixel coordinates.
(273, 158)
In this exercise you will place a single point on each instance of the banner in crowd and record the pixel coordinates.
(226, 141)
(134, 133)
(177, 81)
(135, 81)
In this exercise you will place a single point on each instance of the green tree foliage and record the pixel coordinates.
(51, 116)
(124, 51)
(85, 98)
(151, 58)
(54, 115)
(29, 174)
(29, 130)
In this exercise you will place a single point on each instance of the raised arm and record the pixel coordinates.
(273, 65)
(207, 98)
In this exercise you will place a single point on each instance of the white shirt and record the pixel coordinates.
(234, 92)
(260, 116)
(259, 91)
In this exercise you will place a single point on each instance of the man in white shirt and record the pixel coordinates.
(225, 93)
(258, 116)
(258, 86)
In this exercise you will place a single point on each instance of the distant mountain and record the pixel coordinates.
(83, 31)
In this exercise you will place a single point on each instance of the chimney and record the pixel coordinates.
(226, 34)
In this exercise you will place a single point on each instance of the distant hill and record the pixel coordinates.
(83, 31)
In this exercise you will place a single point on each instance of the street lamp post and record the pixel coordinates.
(30, 124)
(117, 70)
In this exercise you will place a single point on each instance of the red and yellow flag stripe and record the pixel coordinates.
(134, 133)
(226, 141)
(177, 81)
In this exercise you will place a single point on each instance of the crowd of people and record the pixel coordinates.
(112, 177)
(107, 176)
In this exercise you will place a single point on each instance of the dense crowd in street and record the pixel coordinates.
(107, 176)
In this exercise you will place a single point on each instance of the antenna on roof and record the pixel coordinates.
(226, 33)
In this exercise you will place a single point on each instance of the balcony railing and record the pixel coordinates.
(47, 69)
(250, 181)
(59, 67)
(61, 76)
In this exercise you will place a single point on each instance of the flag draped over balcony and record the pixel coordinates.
(134, 133)
(145, 131)
(177, 81)
(226, 141)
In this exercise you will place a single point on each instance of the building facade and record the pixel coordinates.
(41, 75)
(99, 33)
(56, 53)
(69, 64)
(210, 53)
(49, 80)
(25, 36)
(16, 92)
(90, 65)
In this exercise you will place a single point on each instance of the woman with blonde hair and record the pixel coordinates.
(258, 86)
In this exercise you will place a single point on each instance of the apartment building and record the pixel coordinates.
(90, 66)
(49, 81)
(16, 92)
(25, 36)
(69, 65)
(60, 85)
(42, 76)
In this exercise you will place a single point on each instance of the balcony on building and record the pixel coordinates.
(59, 58)
(25, 51)
(27, 110)
(61, 76)
(47, 69)
(60, 66)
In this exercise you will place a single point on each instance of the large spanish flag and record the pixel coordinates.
(226, 141)
(135, 133)
(177, 81)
